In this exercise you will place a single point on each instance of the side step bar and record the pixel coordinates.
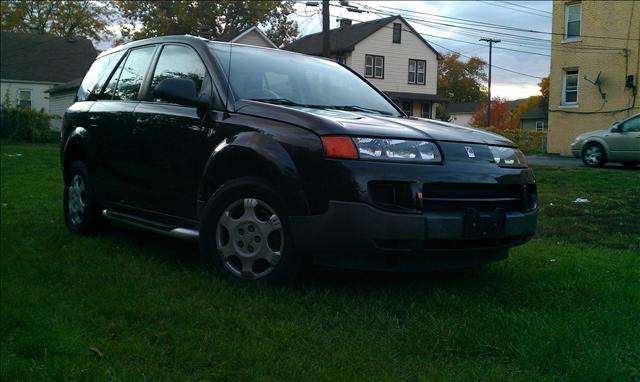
(148, 225)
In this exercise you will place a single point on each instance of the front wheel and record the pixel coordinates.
(245, 234)
(593, 155)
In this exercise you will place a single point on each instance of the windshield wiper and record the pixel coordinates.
(358, 108)
(286, 102)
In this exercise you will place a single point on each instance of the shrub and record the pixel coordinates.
(25, 125)
(527, 140)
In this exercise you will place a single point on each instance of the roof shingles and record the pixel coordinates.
(43, 58)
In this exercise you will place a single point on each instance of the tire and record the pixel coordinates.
(245, 234)
(82, 214)
(593, 155)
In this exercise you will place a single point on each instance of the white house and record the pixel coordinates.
(31, 64)
(251, 36)
(390, 54)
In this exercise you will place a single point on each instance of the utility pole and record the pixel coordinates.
(491, 42)
(325, 28)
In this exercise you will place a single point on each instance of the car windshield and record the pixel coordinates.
(297, 80)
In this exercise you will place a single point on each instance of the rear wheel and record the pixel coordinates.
(593, 155)
(81, 210)
(245, 234)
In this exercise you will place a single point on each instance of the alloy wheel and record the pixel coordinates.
(593, 155)
(249, 238)
(77, 198)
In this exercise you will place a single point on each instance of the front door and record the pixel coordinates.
(624, 145)
(173, 142)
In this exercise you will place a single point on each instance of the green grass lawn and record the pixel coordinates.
(133, 306)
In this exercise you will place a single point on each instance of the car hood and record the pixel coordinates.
(596, 133)
(331, 122)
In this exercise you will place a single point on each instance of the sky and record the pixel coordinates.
(529, 15)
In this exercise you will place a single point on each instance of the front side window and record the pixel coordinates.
(631, 125)
(397, 33)
(126, 81)
(24, 99)
(570, 87)
(178, 61)
(572, 21)
(373, 66)
(296, 80)
(417, 69)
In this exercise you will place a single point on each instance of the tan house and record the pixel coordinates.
(250, 36)
(594, 68)
(390, 54)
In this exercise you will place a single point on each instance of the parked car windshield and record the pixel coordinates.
(297, 80)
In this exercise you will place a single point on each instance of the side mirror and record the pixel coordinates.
(183, 92)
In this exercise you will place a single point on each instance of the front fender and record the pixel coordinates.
(74, 147)
(598, 140)
(253, 154)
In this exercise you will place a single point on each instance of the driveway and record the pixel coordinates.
(559, 161)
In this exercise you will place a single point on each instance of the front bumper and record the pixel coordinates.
(360, 236)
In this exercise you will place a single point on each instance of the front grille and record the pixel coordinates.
(439, 197)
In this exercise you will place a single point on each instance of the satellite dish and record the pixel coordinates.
(598, 83)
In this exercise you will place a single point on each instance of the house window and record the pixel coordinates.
(572, 21)
(417, 69)
(425, 111)
(540, 125)
(373, 66)
(341, 59)
(24, 99)
(397, 32)
(570, 87)
(407, 107)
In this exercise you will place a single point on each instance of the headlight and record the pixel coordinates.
(508, 157)
(397, 150)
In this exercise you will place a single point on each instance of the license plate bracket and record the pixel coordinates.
(477, 226)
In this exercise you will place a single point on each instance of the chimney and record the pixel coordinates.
(345, 23)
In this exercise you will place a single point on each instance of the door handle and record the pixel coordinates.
(142, 120)
(94, 117)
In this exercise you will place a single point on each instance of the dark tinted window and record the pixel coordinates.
(97, 75)
(127, 79)
(397, 32)
(177, 61)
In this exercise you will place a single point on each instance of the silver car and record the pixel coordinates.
(619, 143)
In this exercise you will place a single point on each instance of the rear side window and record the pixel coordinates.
(97, 75)
(177, 61)
(127, 79)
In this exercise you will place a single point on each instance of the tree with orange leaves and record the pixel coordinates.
(500, 114)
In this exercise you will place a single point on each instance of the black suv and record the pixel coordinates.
(270, 158)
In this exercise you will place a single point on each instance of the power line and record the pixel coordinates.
(495, 66)
(524, 6)
(497, 26)
(501, 5)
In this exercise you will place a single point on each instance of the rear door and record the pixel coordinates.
(172, 140)
(625, 144)
(111, 118)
